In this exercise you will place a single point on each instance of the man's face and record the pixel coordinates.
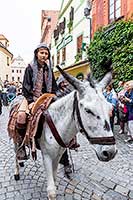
(42, 55)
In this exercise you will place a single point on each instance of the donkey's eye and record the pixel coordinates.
(89, 111)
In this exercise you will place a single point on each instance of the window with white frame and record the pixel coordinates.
(114, 10)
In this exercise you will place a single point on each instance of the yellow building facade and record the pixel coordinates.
(5, 59)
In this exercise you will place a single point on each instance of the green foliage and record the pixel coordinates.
(113, 42)
(70, 26)
(78, 56)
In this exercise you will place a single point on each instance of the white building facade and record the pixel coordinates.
(17, 69)
(72, 35)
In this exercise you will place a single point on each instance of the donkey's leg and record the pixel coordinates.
(51, 189)
(55, 167)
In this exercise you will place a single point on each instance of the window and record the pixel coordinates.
(114, 10)
(18, 78)
(64, 54)
(8, 61)
(17, 71)
(79, 43)
(58, 58)
(20, 71)
(12, 70)
(13, 79)
(7, 77)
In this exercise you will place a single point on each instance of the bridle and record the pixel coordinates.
(93, 140)
(76, 111)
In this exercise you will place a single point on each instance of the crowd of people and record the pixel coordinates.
(122, 107)
(8, 91)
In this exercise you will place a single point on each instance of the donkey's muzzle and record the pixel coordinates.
(105, 154)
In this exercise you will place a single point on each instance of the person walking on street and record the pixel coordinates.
(122, 108)
(128, 99)
(65, 89)
(11, 92)
(111, 97)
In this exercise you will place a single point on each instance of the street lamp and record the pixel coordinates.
(87, 11)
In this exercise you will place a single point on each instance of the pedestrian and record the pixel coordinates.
(118, 91)
(128, 99)
(4, 95)
(111, 97)
(122, 109)
(11, 92)
(65, 89)
(38, 79)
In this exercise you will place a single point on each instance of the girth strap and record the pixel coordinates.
(54, 130)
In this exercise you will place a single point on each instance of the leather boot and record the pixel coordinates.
(21, 154)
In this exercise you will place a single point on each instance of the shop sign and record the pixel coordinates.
(64, 42)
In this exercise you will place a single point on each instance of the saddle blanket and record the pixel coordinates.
(40, 105)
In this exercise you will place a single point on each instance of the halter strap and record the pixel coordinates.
(93, 140)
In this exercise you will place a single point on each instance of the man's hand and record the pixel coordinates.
(31, 105)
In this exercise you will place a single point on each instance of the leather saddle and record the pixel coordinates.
(40, 105)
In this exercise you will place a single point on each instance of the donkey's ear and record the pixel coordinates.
(105, 81)
(77, 84)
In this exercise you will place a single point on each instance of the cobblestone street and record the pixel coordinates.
(92, 179)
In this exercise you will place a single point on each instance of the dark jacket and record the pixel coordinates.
(130, 104)
(11, 89)
(27, 88)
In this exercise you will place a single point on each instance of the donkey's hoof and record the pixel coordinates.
(21, 164)
(16, 177)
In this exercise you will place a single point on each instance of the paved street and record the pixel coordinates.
(92, 179)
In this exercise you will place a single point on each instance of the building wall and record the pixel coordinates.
(48, 23)
(5, 62)
(127, 8)
(81, 26)
(4, 40)
(100, 12)
(17, 69)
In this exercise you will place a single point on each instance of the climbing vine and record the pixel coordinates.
(114, 42)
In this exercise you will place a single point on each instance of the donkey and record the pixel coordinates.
(84, 110)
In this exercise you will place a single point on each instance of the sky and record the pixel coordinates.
(20, 23)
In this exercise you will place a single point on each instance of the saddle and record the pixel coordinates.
(33, 118)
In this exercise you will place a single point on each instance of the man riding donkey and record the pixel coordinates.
(38, 80)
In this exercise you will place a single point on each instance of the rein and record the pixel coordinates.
(93, 140)
(54, 130)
